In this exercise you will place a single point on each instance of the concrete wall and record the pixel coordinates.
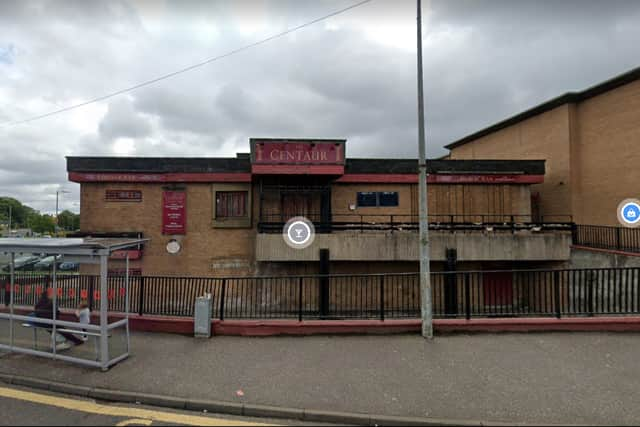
(587, 258)
(402, 246)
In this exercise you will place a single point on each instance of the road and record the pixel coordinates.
(21, 406)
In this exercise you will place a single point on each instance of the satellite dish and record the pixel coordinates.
(173, 247)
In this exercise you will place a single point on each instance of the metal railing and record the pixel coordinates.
(515, 293)
(607, 237)
(273, 223)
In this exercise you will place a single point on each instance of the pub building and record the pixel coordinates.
(224, 216)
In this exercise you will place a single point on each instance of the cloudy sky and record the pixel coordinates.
(351, 76)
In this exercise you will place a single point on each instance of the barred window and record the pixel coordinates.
(123, 195)
(231, 204)
(380, 198)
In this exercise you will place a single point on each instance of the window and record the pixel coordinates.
(231, 204)
(123, 195)
(367, 199)
(388, 198)
(380, 198)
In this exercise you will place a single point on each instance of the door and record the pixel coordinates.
(296, 205)
(497, 291)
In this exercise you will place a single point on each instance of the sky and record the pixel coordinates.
(351, 76)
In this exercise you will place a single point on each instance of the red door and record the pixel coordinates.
(296, 205)
(498, 289)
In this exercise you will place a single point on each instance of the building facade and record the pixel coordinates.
(589, 140)
(224, 216)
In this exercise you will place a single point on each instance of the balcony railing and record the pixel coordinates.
(273, 223)
(606, 237)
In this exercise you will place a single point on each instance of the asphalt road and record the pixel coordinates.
(22, 406)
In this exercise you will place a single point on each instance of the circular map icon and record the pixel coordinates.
(629, 212)
(298, 232)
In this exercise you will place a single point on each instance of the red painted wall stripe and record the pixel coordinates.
(297, 169)
(443, 179)
(81, 177)
(159, 177)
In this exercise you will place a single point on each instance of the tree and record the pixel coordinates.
(42, 223)
(19, 212)
(69, 221)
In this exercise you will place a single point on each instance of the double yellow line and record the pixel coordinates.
(135, 416)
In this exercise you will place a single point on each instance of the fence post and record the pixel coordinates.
(556, 288)
(141, 296)
(618, 239)
(382, 297)
(467, 296)
(222, 294)
(513, 225)
(91, 291)
(300, 299)
(590, 292)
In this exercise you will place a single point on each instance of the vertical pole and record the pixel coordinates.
(141, 297)
(300, 299)
(13, 281)
(9, 220)
(55, 306)
(222, 294)
(382, 297)
(425, 283)
(126, 299)
(556, 288)
(324, 282)
(104, 337)
(467, 296)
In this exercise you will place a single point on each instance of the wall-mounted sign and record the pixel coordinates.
(173, 247)
(305, 152)
(123, 196)
(174, 212)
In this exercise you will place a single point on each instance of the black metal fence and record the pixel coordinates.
(518, 293)
(273, 223)
(607, 237)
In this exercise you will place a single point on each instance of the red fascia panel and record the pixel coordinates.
(443, 179)
(297, 169)
(81, 177)
(133, 254)
(379, 178)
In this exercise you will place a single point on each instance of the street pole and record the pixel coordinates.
(9, 220)
(425, 279)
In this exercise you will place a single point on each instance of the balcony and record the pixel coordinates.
(395, 238)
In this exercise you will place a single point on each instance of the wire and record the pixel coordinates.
(183, 70)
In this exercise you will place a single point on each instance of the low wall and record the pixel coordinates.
(403, 246)
(584, 257)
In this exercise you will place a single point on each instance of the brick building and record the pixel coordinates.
(225, 215)
(589, 140)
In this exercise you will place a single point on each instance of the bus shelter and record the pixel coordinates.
(19, 330)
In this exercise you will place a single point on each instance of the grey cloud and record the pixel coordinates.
(122, 121)
(484, 61)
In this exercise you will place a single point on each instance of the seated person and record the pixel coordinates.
(44, 310)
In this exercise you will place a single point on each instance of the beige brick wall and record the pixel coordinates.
(591, 151)
(607, 154)
(205, 250)
(543, 137)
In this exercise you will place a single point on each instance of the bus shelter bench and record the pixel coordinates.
(35, 326)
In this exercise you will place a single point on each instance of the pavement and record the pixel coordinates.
(20, 406)
(536, 378)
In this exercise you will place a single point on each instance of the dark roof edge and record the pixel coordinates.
(569, 97)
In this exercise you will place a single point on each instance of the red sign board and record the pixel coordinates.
(174, 212)
(302, 153)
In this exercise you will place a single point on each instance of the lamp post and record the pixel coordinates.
(57, 195)
(426, 307)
